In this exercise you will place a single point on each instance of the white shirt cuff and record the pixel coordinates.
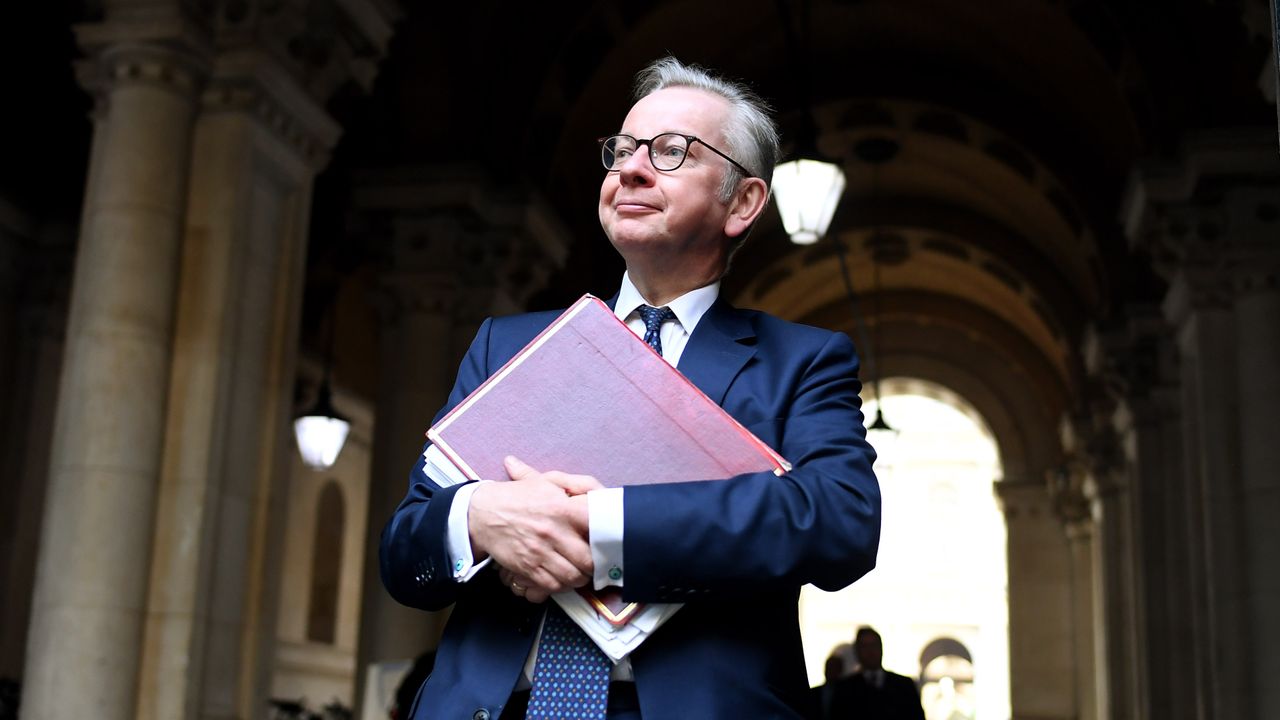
(604, 520)
(462, 563)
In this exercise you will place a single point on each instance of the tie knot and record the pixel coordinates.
(654, 317)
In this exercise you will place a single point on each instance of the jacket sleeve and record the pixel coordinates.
(819, 523)
(413, 555)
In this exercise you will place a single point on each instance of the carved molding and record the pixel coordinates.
(1206, 217)
(278, 60)
(304, 128)
(322, 43)
(1021, 499)
(180, 70)
(1070, 503)
(1135, 357)
(484, 249)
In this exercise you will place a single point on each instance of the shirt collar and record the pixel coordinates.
(688, 308)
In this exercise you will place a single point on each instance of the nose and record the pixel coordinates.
(637, 170)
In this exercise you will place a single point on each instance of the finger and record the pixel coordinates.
(564, 575)
(556, 576)
(517, 469)
(574, 484)
(536, 596)
(543, 581)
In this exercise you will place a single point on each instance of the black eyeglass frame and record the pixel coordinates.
(688, 139)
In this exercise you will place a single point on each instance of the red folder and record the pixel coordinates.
(587, 396)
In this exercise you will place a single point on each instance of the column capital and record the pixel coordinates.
(1021, 498)
(1134, 356)
(1207, 163)
(1208, 218)
(281, 62)
(1254, 260)
(322, 44)
(474, 249)
(278, 62)
(1066, 485)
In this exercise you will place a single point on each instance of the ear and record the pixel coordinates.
(745, 206)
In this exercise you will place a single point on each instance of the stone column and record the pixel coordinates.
(456, 250)
(1072, 506)
(1204, 220)
(1042, 666)
(90, 594)
(1137, 362)
(1206, 343)
(261, 136)
(1255, 230)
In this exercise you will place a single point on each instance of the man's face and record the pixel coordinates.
(869, 650)
(675, 214)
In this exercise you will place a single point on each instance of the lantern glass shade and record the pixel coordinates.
(807, 192)
(320, 439)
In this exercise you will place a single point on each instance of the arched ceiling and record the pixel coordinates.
(1013, 131)
(1018, 122)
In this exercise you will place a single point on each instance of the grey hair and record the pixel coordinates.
(751, 135)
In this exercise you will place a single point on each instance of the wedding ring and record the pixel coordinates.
(516, 587)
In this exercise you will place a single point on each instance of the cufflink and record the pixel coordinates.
(615, 573)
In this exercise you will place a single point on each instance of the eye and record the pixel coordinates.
(671, 149)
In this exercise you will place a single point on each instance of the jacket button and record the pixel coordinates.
(480, 714)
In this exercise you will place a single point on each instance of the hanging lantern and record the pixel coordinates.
(807, 192)
(321, 431)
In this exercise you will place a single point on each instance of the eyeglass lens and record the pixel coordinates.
(666, 151)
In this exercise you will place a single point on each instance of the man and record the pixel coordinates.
(873, 693)
(832, 671)
(686, 178)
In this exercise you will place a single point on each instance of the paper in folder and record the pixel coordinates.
(588, 396)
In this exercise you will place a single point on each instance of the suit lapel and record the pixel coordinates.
(718, 348)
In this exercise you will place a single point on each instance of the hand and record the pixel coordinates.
(536, 528)
(521, 586)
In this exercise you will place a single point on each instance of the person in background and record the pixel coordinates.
(832, 671)
(871, 692)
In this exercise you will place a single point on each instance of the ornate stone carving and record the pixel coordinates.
(180, 69)
(279, 60)
(472, 250)
(1066, 486)
(305, 128)
(1134, 357)
(322, 43)
(1094, 469)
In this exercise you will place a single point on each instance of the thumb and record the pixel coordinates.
(517, 469)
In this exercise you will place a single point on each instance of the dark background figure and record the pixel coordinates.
(407, 690)
(871, 692)
(821, 696)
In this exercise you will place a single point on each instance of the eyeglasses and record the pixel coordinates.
(667, 151)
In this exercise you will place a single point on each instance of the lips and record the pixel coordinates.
(633, 206)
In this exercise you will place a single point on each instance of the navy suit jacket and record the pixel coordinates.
(736, 551)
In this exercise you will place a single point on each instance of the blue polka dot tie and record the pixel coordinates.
(570, 674)
(653, 318)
